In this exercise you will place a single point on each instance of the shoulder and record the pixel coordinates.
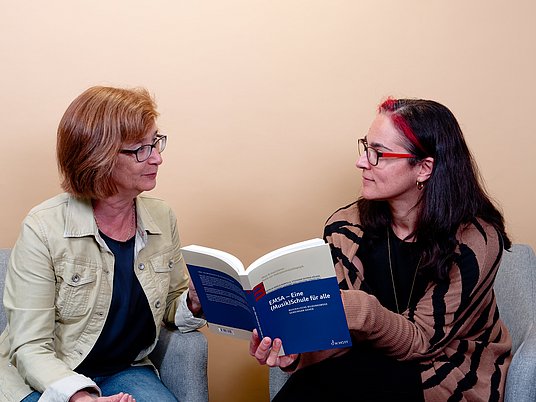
(343, 218)
(153, 203)
(479, 233)
(154, 211)
(481, 240)
(348, 214)
(58, 201)
(343, 226)
(51, 212)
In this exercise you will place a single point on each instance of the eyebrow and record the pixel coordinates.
(378, 145)
(155, 134)
(141, 143)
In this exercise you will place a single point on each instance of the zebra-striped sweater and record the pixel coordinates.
(454, 331)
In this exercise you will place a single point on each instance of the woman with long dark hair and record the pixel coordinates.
(416, 258)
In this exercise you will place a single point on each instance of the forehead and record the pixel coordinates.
(383, 132)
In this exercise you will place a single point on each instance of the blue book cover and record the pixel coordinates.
(290, 293)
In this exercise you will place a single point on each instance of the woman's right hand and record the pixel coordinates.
(267, 351)
(192, 300)
(84, 396)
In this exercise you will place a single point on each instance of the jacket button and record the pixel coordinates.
(170, 264)
(157, 304)
(141, 266)
(75, 278)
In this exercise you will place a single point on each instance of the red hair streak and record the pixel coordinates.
(400, 122)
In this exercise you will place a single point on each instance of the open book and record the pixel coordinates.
(290, 293)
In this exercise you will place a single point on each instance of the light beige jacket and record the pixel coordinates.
(59, 288)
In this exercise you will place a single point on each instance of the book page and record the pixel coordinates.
(211, 257)
(284, 251)
(293, 266)
(220, 291)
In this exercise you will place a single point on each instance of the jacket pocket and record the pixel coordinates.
(76, 283)
(162, 266)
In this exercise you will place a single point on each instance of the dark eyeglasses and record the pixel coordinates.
(373, 155)
(144, 152)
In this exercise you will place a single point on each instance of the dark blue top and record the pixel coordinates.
(129, 327)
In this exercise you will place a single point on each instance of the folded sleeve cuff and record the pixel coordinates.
(184, 319)
(63, 389)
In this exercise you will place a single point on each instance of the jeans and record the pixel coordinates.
(140, 382)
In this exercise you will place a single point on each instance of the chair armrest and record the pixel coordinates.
(181, 359)
(521, 376)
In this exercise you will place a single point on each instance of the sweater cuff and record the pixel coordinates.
(293, 366)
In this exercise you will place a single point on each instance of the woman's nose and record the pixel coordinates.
(362, 162)
(156, 157)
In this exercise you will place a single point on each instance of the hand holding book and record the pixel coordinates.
(193, 302)
(268, 352)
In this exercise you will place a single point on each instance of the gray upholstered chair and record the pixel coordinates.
(515, 288)
(180, 358)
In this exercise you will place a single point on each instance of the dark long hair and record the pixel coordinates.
(452, 196)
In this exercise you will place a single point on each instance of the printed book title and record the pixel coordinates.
(295, 298)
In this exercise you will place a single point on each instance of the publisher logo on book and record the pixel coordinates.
(339, 343)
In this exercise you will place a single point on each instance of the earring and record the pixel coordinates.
(420, 185)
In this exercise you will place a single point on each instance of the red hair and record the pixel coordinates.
(392, 105)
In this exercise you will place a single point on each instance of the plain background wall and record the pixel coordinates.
(263, 102)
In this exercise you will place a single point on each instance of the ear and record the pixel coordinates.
(426, 166)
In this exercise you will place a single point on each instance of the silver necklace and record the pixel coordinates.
(131, 228)
(393, 277)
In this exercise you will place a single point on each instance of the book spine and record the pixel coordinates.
(259, 327)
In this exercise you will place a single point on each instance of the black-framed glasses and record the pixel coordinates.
(373, 155)
(144, 152)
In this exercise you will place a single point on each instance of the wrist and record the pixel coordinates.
(194, 307)
(292, 366)
(83, 396)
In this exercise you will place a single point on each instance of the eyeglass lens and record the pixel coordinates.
(372, 155)
(145, 151)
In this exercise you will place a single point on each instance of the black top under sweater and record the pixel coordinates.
(405, 256)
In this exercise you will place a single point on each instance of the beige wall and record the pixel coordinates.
(263, 102)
